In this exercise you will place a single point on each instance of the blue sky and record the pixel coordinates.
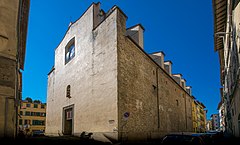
(182, 29)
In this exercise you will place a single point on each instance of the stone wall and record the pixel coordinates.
(116, 87)
(7, 93)
(156, 103)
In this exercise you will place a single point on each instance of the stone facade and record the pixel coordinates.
(117, 90)
(13, 32)
(92, 75)
(215, 121)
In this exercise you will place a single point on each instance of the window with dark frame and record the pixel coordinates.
(28, 105)
(38, 122)
(20, 121)
(69, 114)
(70, 50)
(38, 114)
(43, 114)
(42, 106)
(35, 106)
(68, 95)
(27, 113)
(26, 121)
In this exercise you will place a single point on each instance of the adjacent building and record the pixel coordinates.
(105, 83)
(199, 116)
(13, 33)
(215, 122)
(194, 116)
(32, 114)
(227, 43)
(222, 117)
(209, 125)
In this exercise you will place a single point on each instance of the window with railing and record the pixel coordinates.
(27, 113)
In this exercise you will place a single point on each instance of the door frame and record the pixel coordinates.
(64, 117)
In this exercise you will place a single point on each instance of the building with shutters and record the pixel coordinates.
(32, 114)
(227, 43)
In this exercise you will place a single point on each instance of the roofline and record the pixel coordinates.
(112, 10)
(194, 97)
(200, 103)
(168, 61)
(76, 21)
(22, 28)
(26, 101)
(158, 65)
(52, 69)
(189, 86)
(157, 52)
(139, 24)
(178, 74)
(184, 79)
(219, 105)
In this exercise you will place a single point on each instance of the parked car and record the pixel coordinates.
(182, 139)
(38, 133)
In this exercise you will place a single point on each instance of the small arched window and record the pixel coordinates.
(68, 95)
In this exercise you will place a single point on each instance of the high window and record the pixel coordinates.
(70, 50)
(68, 91)
(28, 105)
(35, 105)
(42, 106)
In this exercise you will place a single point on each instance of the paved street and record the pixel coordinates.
(70, 140)
(63, 140)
